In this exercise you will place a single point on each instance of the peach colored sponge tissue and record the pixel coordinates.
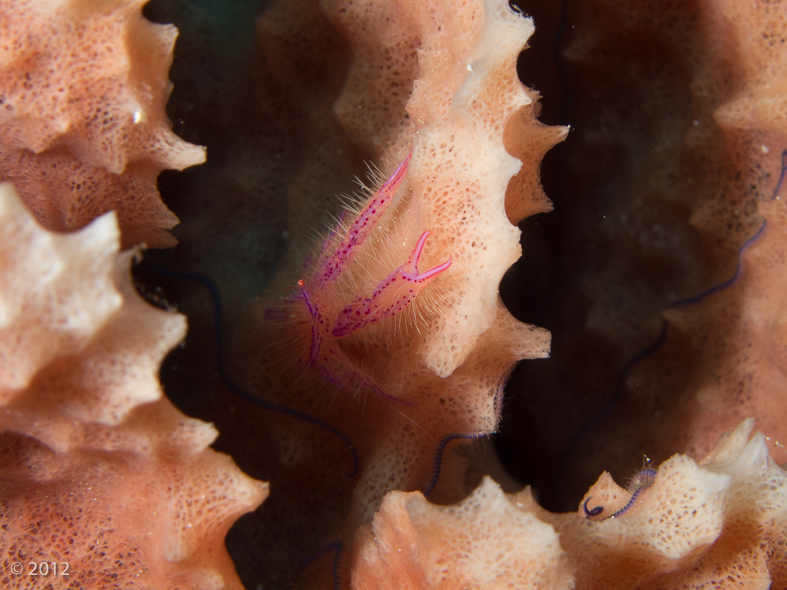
(99, 473)
(470, 124)
(717, 524)
(484, 542)
(82, 124)
(103, 477)
(456, 343)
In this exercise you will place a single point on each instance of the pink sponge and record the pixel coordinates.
(82, 122)
(721, 523)
(99, 474)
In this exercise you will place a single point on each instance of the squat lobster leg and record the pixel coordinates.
(331, 268)
(321, 303)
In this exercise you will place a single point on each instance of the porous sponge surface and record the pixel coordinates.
(437, 80)
(682, 132)
(720, 523)
(440, 79)
(98, 472)
(82, 123)
(482, 542)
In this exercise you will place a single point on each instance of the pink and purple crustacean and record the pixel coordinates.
(331, 321)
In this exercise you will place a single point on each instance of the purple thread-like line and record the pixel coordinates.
(656, 344)
(223, 373)
(593, 511)
(650, 473)
(628, 505)
(438, 457)
(336, 546)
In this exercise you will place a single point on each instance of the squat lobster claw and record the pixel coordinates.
(331, 319)
(391, 295)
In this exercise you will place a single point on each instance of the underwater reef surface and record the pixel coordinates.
(672, 166)
(658, 274)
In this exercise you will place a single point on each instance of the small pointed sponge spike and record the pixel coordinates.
(332, 268)
(391, 295)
